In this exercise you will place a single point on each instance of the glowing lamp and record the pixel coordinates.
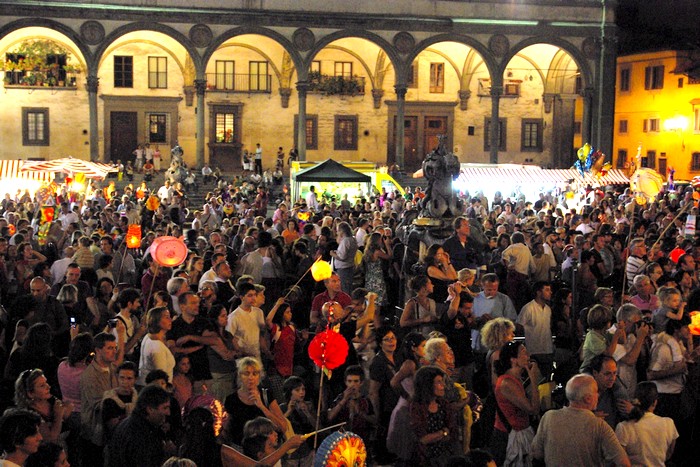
(694, 326)
(169, 251)
(152, 203)
(133, 236)
(304, 216)
(12, 229)
(328, 349)
(321, 270)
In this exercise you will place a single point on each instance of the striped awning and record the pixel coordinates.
(12, 169)
(70, 165)
(535, 176)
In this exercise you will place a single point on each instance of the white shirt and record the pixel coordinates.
(648, 440)
(536, 321)
(246, 326)
(155, 355)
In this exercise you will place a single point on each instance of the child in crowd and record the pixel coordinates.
(352, 407)
(284, 337)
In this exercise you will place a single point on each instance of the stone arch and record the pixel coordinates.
(183, 40)
(168, 51)
(571, 49)
(556, 76)
(379, 41)
(86, 55)
(245, 30)
(486, 56)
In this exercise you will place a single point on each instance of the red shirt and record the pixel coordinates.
(283, 350)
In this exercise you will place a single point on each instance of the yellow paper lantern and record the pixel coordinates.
(321, 270)
(152, 203)
(133, 236)
(694, 325)
(169, 251)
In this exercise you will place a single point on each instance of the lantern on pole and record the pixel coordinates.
(169, 251)
(321, 270)
(133, 236)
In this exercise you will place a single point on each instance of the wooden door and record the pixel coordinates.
(411, 155)
(123, 136)
(432, 128)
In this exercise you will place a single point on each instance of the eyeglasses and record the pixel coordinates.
(389, 339)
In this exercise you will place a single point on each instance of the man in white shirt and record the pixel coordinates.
(165, 193)
(312, 199)
(536, 319)
(246, 323)
(362, 232)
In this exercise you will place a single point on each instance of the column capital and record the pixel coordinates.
(302, 88)
(200, 86)
(93, 83)
(464, 96)
(400, 90)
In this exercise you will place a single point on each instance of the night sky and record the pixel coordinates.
(656, 24)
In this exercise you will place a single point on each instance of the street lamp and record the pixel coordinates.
(677, 124)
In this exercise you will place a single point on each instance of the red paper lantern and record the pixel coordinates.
(133, 236)
(676, 253)
(328, 349)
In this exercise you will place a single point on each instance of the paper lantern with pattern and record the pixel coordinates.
(133, 236)
(169, 251)
(328, 349)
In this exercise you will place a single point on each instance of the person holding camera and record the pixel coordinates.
(627, 353)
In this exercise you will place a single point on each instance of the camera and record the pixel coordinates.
(72, 322)
(112, 323)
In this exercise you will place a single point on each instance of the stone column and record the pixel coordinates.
(302, 87)
(200, 86)
(494, 136)
(586, 121)
(92, 85)
(400, 115)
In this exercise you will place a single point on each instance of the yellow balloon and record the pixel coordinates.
(321, 270)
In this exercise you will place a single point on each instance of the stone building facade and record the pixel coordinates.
(522, 82)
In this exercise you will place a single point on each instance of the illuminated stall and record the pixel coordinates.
(332, 180)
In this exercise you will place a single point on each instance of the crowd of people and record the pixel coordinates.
(111, 359)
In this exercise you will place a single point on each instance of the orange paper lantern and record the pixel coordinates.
(133, 236)
(694, 326)
(169, 251)
(11, 229)
(321, 270)
(152, 203)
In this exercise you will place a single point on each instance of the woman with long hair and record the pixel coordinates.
(381, 395)
(420, 312)
(512, 435)
(155, 355)
(27, 259)
(647, 438)
(377, 249)
(221, 355)
(35, 352)
(100, 306)
(400, 439)
(440, 270)
(564, 328)
(433, 424)
(195, 269)
(33, 392)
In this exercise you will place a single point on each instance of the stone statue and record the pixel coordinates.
(177, 171)
(440, 168)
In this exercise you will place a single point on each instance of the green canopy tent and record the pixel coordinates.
(325, 172)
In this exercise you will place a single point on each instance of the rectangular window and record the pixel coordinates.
(311, 131)
(315, 67)
(345, 133)
(225, 73)
(123, 71)
(502, 129)
(695, 161)
(531, 136)
(259, 80)
(625, 74)
(224, 127)
(158, 72)
(511, 89)
(649, 160)
(654, 77)
(343, 69)
(621, 158)
(35, 126)
(577, 128)
(696, 121)
(157, 128)
(413, 76)
(680, 82)
(663, 164)
(651, 125)
(437, 77)
(622, 129)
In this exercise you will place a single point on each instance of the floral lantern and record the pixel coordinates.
(133, 236)
(47, 214)
(152, 203)
(11, 229)
(321, 270)
(169, 251)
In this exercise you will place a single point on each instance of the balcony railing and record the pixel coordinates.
(228, 82)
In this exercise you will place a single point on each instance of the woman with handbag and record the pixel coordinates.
(512, 435)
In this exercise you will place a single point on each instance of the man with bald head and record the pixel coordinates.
(47, 309)
(574, 435)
